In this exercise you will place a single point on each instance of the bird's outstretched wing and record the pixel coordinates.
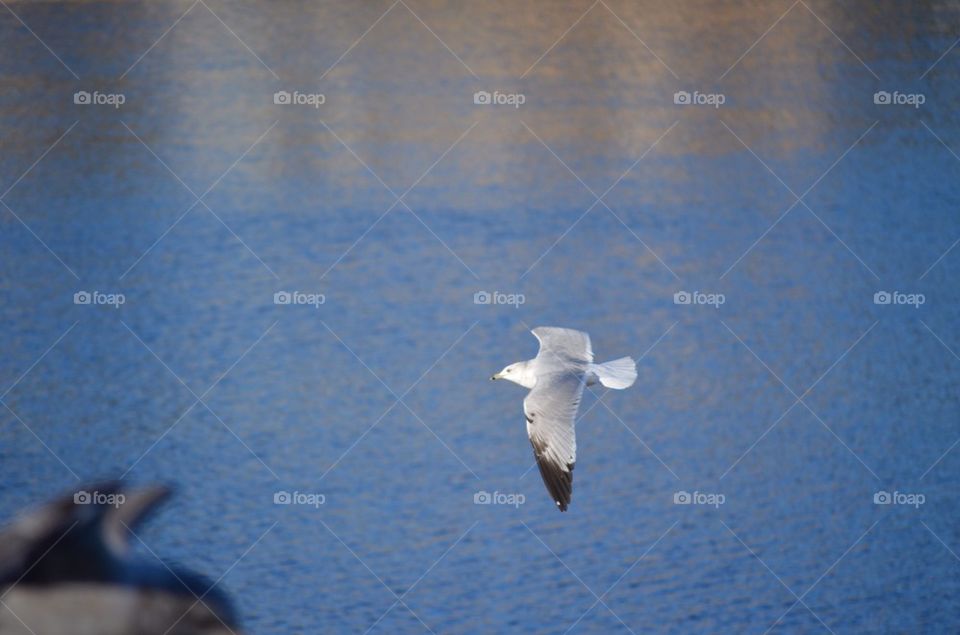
(560, 345)
(550, 409)
(70, 532)
(120, 521)
(30, 534)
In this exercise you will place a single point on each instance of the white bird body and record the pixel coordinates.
(617, 374)
(556, 378)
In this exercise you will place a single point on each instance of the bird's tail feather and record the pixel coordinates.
(618, 374)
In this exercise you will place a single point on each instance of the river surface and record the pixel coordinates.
(780, 200)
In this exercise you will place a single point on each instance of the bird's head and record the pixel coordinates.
(509, 372)
(517, 373)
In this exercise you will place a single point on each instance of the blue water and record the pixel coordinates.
(303, 399)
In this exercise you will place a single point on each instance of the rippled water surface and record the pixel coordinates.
(598, 199)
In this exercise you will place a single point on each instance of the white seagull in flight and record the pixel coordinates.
(556, 377)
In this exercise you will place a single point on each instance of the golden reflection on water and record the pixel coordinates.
(599, 94)
(398, 101)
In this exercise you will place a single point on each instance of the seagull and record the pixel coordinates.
(66, 569)
(556, 377)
